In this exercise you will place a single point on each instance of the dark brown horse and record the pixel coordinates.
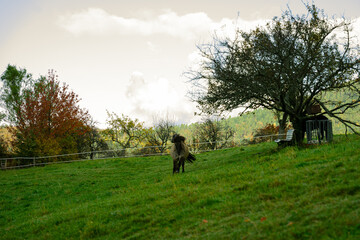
(180, 153)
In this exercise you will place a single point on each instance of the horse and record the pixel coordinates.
(180, 153)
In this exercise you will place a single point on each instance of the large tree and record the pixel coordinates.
(287, 66)
(44, 115)
(50, 119)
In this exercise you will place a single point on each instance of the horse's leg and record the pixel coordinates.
(176, 166)
(183, 165)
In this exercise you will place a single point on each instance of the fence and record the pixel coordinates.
(197, 147)
(318, 131)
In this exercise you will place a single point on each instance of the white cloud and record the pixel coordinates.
(151, 46)
(157, 97)
(99, 22)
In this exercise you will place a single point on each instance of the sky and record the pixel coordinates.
(129, 57)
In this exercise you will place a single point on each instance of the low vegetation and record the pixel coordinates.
(252, 192)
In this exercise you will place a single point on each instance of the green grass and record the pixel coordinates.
(252, 192)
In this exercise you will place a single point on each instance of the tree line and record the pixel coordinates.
(43, 118)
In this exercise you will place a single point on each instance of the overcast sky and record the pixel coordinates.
(129, 57)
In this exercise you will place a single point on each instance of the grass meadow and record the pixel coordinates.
(251, 192)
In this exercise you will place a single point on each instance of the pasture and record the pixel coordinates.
(250, 192)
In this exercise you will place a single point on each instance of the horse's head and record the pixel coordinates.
(174, 137)
(177, 138)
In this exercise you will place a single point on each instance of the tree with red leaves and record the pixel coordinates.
(49, 120)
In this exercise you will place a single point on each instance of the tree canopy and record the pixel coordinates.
(125, 131)
(15, 83)
(44, 115)
(288, 65)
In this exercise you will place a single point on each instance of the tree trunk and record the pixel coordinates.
(298, 125)
(282, 123)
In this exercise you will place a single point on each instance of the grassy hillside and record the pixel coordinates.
(254, 192)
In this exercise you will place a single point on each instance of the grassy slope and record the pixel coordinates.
(254, 192)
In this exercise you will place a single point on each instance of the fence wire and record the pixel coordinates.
(148, 151)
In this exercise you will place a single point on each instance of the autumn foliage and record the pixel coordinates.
(266, 133)
(49, 120)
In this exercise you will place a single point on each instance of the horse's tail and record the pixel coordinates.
(191, 158)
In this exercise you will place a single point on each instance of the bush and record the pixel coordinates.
(262, 134)
(267, 133)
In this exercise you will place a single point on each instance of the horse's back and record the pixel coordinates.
(184, 151)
